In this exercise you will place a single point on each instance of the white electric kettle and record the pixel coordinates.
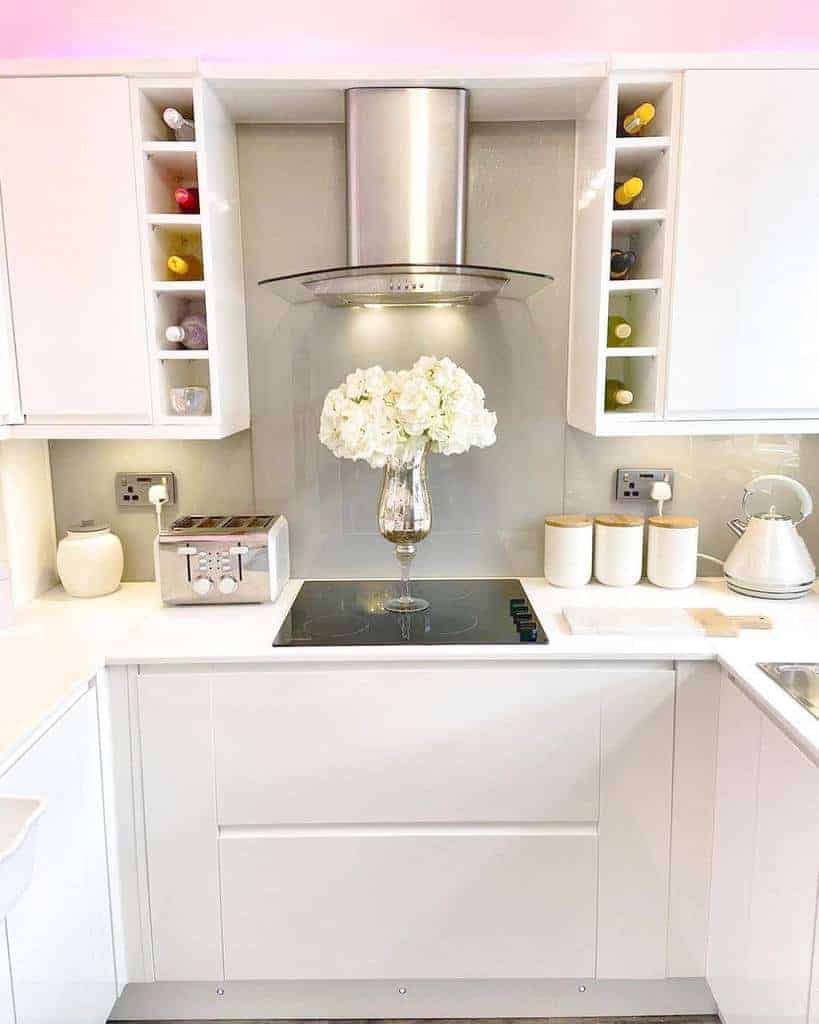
(770, 559)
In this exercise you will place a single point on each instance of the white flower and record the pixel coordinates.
(375, 412)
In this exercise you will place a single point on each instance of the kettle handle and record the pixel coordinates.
(805, 500)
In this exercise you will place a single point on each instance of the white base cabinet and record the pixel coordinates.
(60, 942)
(501, 820)
(765, 871)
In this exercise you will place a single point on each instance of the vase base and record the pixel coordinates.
(406, 604)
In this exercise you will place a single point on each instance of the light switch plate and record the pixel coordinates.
(132, 488)
(634, 485)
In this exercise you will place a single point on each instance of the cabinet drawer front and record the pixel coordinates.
(429, 905)
(471, 744)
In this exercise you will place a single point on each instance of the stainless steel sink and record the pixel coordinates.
(799, 679)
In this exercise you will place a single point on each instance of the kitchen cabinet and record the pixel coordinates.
(377, 821)
(765, 869)
(90, 220)
(743, 329)
(6, 996)
(720, 299)
(813, 1004)
(72, 243)
(9, 393)
(60, 946)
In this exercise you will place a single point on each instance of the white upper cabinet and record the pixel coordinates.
(88, 221)
(9, 392)
(744, 329)
(72, 242)
(726, 240)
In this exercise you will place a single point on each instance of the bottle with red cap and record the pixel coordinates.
(187, 199)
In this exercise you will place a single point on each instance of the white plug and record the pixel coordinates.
(158, 496)
(660, 492)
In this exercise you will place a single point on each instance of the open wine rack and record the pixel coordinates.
(211, 245)
(607, 155)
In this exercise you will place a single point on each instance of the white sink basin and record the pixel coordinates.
(18, 840)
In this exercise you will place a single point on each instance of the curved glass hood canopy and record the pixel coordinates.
(406, 210)
(405, 284)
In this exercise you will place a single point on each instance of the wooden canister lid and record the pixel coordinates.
(568, 520)
(617, 519)
(674, 522)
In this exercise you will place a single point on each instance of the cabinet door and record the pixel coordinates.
(59, 933)
(743, 330)
(9, 394)
(783, 891)
(734, 835)
(72, 241)
(6, 996)
(766, 866)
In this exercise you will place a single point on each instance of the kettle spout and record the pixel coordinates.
(737, 526)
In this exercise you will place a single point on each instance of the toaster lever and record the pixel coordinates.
(186, 549)
(239, 549)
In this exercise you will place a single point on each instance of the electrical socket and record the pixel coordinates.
(635, 484)
(131, 489)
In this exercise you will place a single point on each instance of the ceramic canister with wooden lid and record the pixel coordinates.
(672, 550)
(618, 550)
(568, 550)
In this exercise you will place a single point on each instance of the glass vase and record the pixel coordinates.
(405, 516)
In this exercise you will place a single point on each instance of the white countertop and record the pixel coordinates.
(51, 652)
(57, 644)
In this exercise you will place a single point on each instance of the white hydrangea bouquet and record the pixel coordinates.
(392, 419)
(376, 414)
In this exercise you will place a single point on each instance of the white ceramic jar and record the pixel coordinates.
(568, 550)
(672, 551)
(618, 550)
(90, 560)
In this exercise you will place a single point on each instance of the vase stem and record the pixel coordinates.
(405, 517)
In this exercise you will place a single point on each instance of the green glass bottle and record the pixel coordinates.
(620, 332)
(618, 396)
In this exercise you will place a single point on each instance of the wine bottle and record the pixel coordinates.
(622, 260)
(187, 199)
(625, 192)
(190, 332)
(618, 395)
(634, 123)
(620, 332)
(183, 127)
(185, 268)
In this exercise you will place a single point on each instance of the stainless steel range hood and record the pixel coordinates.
(406, 210)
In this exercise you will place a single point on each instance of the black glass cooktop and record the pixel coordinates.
(346, 613)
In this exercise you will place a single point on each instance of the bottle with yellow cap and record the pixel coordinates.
(618, 396)
(185, 268)
(634, 123)
(620, 332)
(625, 192)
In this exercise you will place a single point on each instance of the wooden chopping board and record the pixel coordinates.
(716, 623)
(586, 621)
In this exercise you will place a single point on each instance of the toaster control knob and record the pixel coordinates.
(228, 585)
(202, 586)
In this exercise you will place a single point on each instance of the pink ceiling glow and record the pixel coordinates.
(430, 30)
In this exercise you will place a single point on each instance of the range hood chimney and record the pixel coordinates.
(406, 209)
